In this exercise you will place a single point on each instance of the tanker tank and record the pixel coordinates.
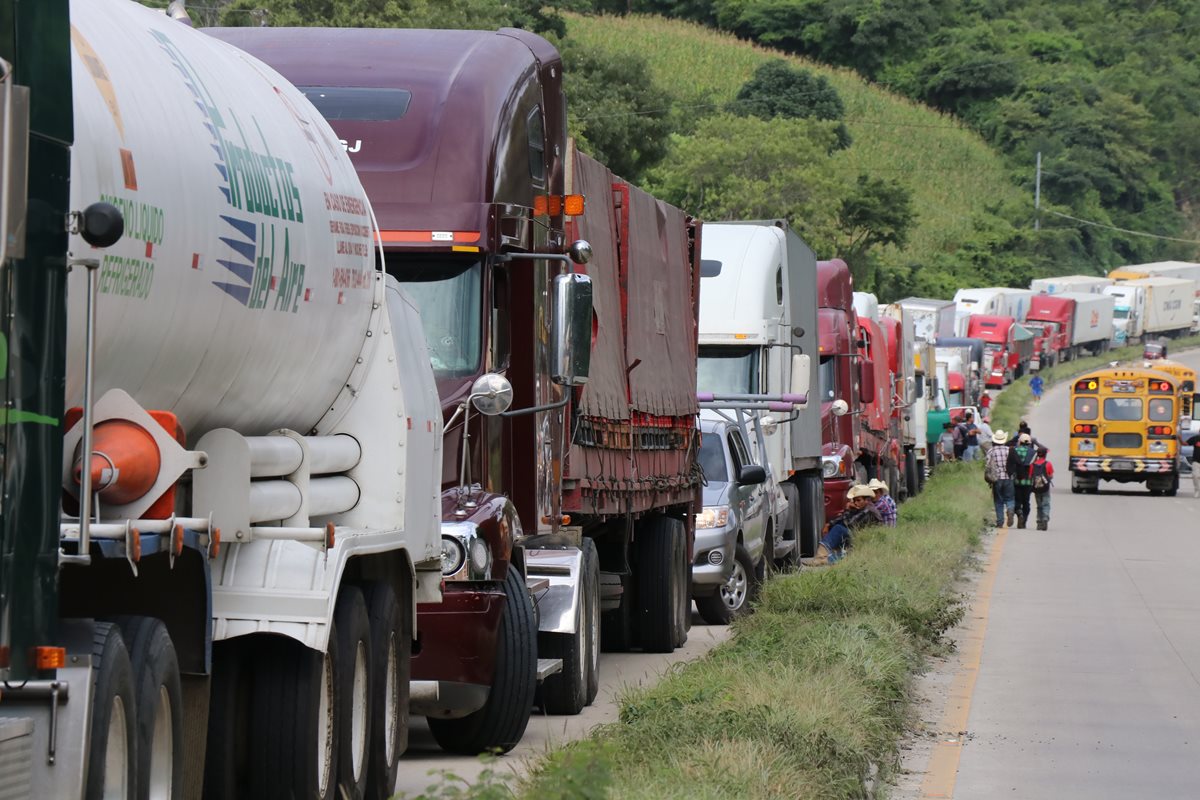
(241, 293)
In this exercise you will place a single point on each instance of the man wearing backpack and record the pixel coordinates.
(995, 472)
(1042, 478)
(1020, 463)
(959, 432)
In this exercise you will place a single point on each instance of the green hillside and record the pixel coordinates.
(951, 171)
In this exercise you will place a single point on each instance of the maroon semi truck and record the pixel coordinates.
(857, 441)
(577, 503)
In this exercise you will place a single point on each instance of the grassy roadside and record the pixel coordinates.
(1013, 402)
(810, 696)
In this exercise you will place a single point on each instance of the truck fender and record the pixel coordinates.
(558, 605)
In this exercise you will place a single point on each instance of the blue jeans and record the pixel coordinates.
(837, 537)
(971, 452)
(1043, 506)
(1005, 499)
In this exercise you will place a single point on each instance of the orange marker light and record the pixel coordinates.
(135, 545)
(214, 543)
(541, 205)
(555, 205)
(573, 205)
(177, 540)
(329, 538)
(49, 657)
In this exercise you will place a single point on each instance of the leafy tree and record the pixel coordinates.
(615, 112)
(473, 14)
(875, 212)
(780, 90)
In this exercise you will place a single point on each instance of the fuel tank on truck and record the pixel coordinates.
(241, 292)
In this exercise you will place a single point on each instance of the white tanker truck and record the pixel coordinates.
(231, 592)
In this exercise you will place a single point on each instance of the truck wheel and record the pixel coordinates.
(616, 626)
(391, 671)
(893, 480)
(226, 756)
(112, 759)
(792, 532)
(566, 692)
(660, 583)
(296, 720)
(912, 478)
(812, 517)
(158, 697)
(500, 724)
(732, 598)
(354, 693)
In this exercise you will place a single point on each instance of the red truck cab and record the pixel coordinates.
(1055, 315)
(1009, 352)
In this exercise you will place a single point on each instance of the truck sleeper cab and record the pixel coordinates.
(1123, 428)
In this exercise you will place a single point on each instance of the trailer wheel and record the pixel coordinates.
(500, 724)
(391, 670)
(567, 692)
(354, 693)
(912, 479)
(295, 725)
(158, 697)
(661, 583)
(112, 758)
(732, 599)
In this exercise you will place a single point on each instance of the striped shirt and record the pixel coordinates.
(997, 459)
(886, 507)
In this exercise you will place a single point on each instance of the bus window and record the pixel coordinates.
(1160, 410)
(1085, 408)
(1123, 409)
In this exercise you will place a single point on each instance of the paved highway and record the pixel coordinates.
(617, 672)
(1078, 671)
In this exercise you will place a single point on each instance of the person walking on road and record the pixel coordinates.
(995, 472)
(985, 403)
(884, 503)
(1020, 467)
(860, 512)
(1042, 478)
(1037, 386)
(970, 438)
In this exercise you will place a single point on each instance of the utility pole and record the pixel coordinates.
(1037, 195)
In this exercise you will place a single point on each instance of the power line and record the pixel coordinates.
(1093, 224)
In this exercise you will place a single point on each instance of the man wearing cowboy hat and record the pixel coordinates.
(1020, 467)
(884, 503)
(995, 472)
(859, 513)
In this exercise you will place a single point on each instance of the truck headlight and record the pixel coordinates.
(831, 466)
(712, 517)
(453, 555)
(481, 558)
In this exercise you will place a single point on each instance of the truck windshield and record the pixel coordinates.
(727, 370)
(827, 377)
(1120, 313)
(449, 294)
(360, 103)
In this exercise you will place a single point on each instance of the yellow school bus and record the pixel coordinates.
(1123, 428)
(1185, 379)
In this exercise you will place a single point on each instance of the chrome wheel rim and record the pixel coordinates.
(358, 711)
(391, 702)
(733, 591)
(116, 754)
(325, 732)
(162, 748)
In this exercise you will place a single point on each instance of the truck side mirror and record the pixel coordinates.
(866, 378)
(919, 385)
(752, 474)
(571, 329)
(801, 366)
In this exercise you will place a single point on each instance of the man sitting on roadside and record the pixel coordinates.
(860, 512)
(884, 503)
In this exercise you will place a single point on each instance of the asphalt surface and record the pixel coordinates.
(424, 762)
(1086, 680)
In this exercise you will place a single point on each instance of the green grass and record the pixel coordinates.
(1012, 403)
(951, 171)
(811, 694)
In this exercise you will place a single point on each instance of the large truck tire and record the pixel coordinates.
(732, 599)
(617, 634)
(912, 477)
(661, 579)
(112, 757)
(295, 727)
(568, 691)
(158, 696)
(791, 532)
(354, 693)
(391, 671)
(227, 752)
(500, 724)
(812, 519)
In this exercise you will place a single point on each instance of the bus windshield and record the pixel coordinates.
(449, 294)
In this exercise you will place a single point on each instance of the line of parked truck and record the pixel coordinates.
(381, 398)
